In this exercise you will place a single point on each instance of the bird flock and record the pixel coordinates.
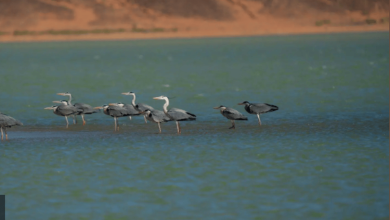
(116, 110)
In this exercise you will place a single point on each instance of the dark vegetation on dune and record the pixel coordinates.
(299, 6)
(24, 13)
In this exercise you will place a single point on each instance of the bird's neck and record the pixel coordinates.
(222, 109)
(165, 106)
(70, 100)
(133, 102)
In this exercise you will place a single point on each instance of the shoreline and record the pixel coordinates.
(194, 34)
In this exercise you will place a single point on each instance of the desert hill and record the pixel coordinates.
(77, 17)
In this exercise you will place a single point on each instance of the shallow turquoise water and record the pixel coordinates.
(323, 155)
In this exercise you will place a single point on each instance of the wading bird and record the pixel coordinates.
(83, 109)
(176, 114)
(231, 114)
(156, 116)
(7, 122)
(140, 107)
(64, 110)
(86, 109)
(114, 110)
(258, 108)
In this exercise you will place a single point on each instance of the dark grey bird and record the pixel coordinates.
(131, 110)
(156, 116)
(258, 108)
(141, 107)
(176, 114)
(7, 122)
(64, 110)
(231, 114)
(83, 109)
(114, 110)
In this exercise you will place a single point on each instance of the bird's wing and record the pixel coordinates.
(143, 107)
(66, 110)
(159, 116)
(259, 108)
(8, 121)
(84, 108)
(181, 115)
(131, 110)
(116, 111)
(233, 114)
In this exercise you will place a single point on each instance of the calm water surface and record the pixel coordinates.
(323, 155)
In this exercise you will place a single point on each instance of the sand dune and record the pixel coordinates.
(46, 20)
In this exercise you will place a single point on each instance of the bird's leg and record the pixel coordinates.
(6, 135)
(177, 126)
(130, 117)
(258, 116)
(74, 119)
(159, 127)
(82, 117)
(115, 123)
(1, 133)
(145, 119)
(67, 123)
(233, 126)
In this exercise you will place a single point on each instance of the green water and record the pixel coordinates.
(323, 155)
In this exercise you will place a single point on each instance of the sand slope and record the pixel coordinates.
(45, 20)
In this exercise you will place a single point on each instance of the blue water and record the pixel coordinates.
(323, 155)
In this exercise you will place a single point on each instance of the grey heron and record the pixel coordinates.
(141, 107)
(231, 114)
(156, 116)
(114, 110)
(83, 109)
(258, 108)
(64, 110)
(86, 109)
(176, 114)
(7, 122)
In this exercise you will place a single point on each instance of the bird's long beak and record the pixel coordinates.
(61, 93)
(216, 108)
(241, 104)
(57, 101)
(99, 107)
(48, 108)
(125, 93)
(112, 104)
(157, 98)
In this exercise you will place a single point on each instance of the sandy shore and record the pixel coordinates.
(196, 33)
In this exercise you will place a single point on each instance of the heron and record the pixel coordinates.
(83, 109)
(87, 108)
(176, 114)
(141, 107)
(231, 114)
(7, 122)
(64, 110)
(258, 108)
(156, 116)
(114, 110)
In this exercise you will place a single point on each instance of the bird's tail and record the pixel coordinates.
(273, 107)
(243, 118)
